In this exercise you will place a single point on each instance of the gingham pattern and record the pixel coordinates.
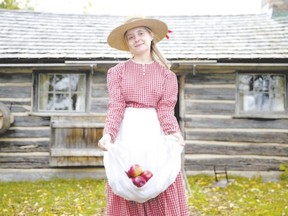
(131, 84)
(171, 202)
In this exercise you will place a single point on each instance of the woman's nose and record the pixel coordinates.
(136, 38)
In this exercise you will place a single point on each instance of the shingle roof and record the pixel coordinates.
(26, 35)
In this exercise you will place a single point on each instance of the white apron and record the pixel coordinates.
(141, 141)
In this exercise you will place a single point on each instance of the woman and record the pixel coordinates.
(141, 127)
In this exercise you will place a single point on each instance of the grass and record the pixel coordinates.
(55, 197)
(243, 196)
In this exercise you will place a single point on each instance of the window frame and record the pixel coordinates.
(35, 103)
(254, 114)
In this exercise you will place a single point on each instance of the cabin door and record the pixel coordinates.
(74, 141)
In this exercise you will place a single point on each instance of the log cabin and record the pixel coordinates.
(233, 90)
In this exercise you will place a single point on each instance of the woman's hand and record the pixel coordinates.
(179, 138)
(106, 139)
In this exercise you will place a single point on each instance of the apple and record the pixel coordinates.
(138, 181)
(146, 175)
(135, 170)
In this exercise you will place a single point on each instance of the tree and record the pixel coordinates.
(15, 4)
(10, 4)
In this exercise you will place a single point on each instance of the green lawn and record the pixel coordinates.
(243, 196)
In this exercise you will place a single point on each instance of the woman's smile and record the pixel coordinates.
(139, 44)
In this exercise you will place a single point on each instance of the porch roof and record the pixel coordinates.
(35, 35)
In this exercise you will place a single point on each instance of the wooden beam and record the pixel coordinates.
(83, 152)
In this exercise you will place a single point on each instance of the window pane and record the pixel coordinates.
(50, 103)
(261, 93)
(278, 84)
(51, 82)
(58, 92)
(262, 101)
(78, 102)
(44, 85)
(278, 93)
(245, 82)
(62, 82)
(277, 104)
(62, 102)
(248, 102)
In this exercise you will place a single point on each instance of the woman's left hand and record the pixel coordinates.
(180, 138)
(106, 139)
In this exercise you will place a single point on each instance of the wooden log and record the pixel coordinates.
(14, 132)
(221, 92)
(15, 77)
(238, 135)
(202, 122)
(213, 107)
(236, 163)
(87, 121)
(99, 105)
(21, 108)
(20, 145)
(78, 118)
(77, 125)
(99, 78)
(17, 105)
(31, 121)
(26, 161)
(234, 148)
(15, 91)
(99, 91)
(211, 78)
(76, 152)
(75, 161)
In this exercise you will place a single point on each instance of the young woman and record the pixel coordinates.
(141, 127)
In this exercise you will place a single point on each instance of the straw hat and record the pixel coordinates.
(116, 38)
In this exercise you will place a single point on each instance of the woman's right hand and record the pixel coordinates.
(179, 138)
(106, 139)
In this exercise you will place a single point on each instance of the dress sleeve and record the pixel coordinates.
(116, 103)
(166, 105)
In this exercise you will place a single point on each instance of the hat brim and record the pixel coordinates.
(116, 38)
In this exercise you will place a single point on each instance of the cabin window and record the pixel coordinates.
(61, 92)
(261, 94)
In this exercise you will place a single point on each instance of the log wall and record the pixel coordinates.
(215, 137)
(207, 107)
(26, 144)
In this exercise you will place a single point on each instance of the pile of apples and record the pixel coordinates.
(138, 176)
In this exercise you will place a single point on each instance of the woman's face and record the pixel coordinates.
(139, 40)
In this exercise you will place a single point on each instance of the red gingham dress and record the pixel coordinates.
(131, 84)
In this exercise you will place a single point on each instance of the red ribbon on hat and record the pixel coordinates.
(167, 36)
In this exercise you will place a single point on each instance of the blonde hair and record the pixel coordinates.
(157, 55)
(155, 52)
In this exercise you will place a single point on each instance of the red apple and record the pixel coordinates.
(146, 175)
(135, 170)
(138, 181)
